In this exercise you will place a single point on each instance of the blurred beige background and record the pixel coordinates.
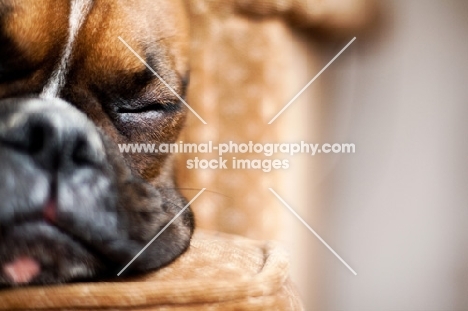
(396, 211)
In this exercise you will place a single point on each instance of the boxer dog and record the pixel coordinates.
(72, 207)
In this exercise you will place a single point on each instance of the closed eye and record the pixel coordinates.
(151, 100)
(138, 108)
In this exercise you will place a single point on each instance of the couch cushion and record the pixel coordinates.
(218, 272)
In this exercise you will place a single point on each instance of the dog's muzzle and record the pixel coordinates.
(52, 163)
(70, 207)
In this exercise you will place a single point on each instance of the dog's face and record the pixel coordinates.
(71, 206)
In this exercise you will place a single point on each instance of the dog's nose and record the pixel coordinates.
(51, 132)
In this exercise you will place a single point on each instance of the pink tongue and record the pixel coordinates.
(22, 270)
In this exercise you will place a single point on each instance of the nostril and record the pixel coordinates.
(37, 139)
(52, 140)
(82, 153)
(29, 138)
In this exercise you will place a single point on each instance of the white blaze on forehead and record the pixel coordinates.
(78, 12)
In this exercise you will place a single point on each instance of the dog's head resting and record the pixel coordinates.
(71, 206)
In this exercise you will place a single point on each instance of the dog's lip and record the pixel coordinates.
(38, 224)
(39, 248)
(49, 216)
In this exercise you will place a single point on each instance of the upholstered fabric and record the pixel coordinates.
(219, 272)
(242, 56)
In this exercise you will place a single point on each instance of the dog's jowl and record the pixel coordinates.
(72, 207)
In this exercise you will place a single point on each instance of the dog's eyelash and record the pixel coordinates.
(143, 108)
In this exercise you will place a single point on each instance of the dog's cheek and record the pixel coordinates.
(169, 245)
(141, 205)
(148, 211)
(142, 212)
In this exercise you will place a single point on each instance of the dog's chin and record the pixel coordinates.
(40, 253)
